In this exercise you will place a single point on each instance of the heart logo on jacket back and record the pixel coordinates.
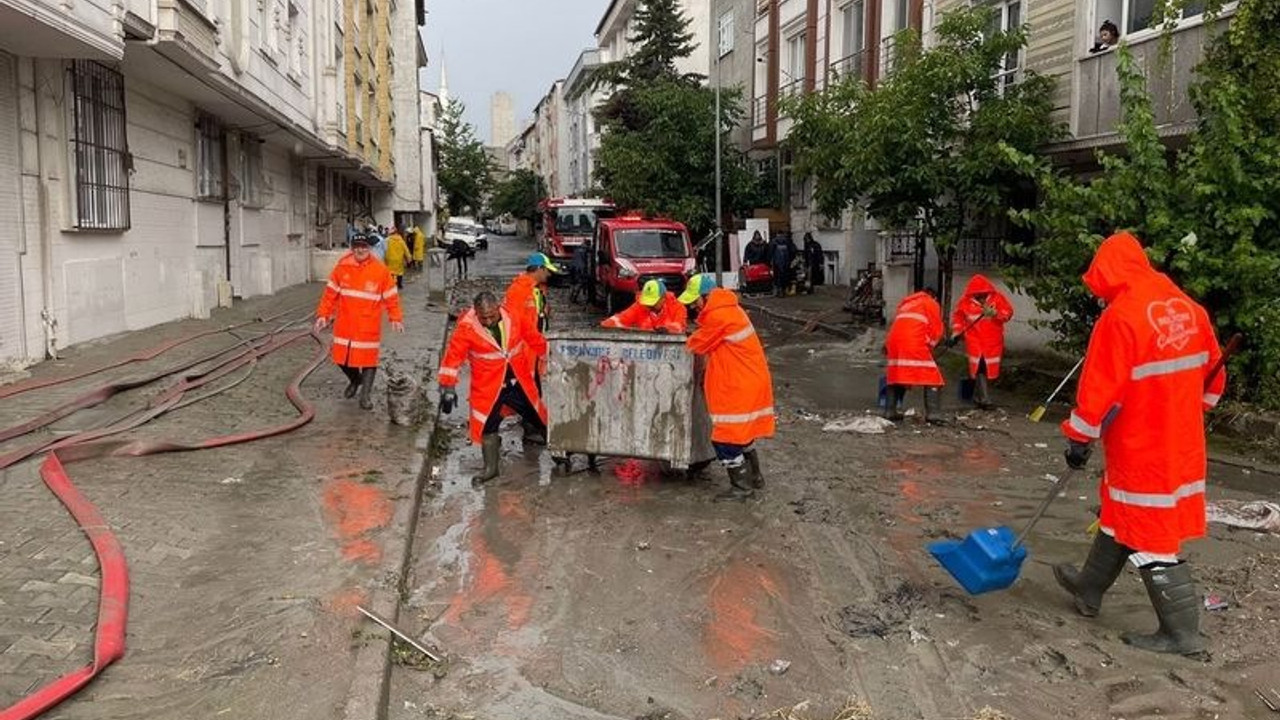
(1174, 321)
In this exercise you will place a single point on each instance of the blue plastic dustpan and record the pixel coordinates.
(991, 558)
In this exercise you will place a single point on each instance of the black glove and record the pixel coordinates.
(448, 399)
(1077, 454)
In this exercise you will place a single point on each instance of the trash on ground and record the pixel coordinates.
(231, 481)
(1214, 601)
(778, 667)
(867, 425)
(1259, 515)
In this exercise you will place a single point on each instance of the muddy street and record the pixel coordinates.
(629, 594)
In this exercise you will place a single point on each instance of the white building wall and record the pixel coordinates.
(406, 97)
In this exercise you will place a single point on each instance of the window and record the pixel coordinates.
(793, 73)
(651, 244)
(297, 43)
(1008, 17)
(1133, 16)
(252, 180)
(101, 147)
(852, 37)
(210, 155)
(726, 33)
(901, 13)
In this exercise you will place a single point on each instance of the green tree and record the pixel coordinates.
(519, 194)
(464, 173)
(1209, 215)
(658, 128)
(924, 150)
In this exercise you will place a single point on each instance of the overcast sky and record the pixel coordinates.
(520, 46)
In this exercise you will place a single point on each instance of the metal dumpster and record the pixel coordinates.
(626, 394)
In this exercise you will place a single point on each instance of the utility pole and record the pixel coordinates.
(719, 231)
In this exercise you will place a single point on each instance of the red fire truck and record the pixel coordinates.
(569, 222)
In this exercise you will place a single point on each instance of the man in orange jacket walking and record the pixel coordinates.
(502, 349)
(526, 295)
(980, 316)
(359, 288)
(917, 328)
(1145, 386)
(655, 310)
(738, 387)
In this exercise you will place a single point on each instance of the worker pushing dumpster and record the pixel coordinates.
(626, 395)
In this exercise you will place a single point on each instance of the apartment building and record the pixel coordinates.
(581, 136)
(552, 132)
(160, 157)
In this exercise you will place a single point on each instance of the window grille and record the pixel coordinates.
(210, 149)
(101, 147)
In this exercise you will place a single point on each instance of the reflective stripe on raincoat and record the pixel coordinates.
(354, 299)
(1142, 392)
(917, 328)
(519, 348)
(672, 317)
(738, 387)
(984, 340)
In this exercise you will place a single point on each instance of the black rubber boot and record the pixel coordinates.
(366, 387)
(894, 397)
(739, 484)
(982, 392)
(1177, 602)
(491, 450)
(753, 463)
(533, 434)
(353, 381)
(1088, 584)
(933, 406)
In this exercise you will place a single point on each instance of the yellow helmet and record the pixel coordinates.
(652, 292)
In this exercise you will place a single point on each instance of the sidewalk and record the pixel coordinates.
(247, 562)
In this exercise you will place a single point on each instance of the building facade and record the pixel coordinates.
(502, 119)
(582, 138)
(158, 159)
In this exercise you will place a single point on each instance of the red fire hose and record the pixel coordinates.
(114, 593)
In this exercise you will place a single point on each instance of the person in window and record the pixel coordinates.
(1108, 36)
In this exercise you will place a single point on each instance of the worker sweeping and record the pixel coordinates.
(502, 348)
(738, 387)
(359, 289)
(656, 309)
(1145, 386)
(980, 317)
(917, 328)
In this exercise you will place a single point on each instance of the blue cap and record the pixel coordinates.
(538, 260)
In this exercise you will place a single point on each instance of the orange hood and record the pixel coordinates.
(1119, 263)
(978, 285)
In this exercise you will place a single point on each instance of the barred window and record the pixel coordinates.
(253, 179)
(211, 153)
(101, 147)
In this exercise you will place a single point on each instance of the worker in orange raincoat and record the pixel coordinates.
(502, 349)
(359, 288)
(979, 317)
(655, 310)
(527, 296)
(916, 329)
(738, 387)
(1148, 378)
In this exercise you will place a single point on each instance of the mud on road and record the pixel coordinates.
(629, 594)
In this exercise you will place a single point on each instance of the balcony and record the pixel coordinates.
(855, 65)
(186, 35)
(1168, 82)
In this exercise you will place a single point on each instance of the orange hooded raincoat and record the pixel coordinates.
(984, 340)
(917, 328)
(518, 349)
(1143, 393)
(673, 317)
(738, 387)
(527, 299)
(357, 292)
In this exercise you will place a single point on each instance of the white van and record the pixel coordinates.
(467, 230)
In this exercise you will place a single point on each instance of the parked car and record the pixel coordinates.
(466, 230)
(507, 226)
(631, 250)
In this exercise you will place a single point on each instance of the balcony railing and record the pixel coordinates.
(1168, 80)
(854, 65)
(899, 247)
(795, 87)
(760, 111)
(979, 252)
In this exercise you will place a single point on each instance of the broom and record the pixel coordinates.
(1038, 413)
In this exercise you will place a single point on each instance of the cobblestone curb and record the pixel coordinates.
(370, 683)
